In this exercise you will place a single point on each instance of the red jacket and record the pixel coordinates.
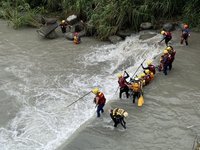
(102, 99)
(122, 82)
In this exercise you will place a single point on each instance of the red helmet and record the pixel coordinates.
(185, 26)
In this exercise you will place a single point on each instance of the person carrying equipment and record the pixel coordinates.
(99, 100)
(185, 34)
(171, 57)
(77, 39)
(118, 116)
(167, 36)
(123, 84)
(151, 67)
(136, 86)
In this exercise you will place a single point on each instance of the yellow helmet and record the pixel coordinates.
(142, 74)
(162, 32)
(165, 51)
(95, 90)
(63, 21)
(139, 76)
(125, 114)
(169, 48)
(147, 71)
(119, 75)
(149, 62)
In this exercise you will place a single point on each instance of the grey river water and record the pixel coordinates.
(40, 78)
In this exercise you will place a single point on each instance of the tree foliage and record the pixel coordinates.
(106, 16)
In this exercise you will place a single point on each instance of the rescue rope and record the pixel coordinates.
(78, 99)
(137, 69)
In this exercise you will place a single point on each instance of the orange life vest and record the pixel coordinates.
(151, 75)
(136, 87)
(76, 40)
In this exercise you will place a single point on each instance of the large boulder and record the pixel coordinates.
(72, 19)
(125, 33)
(145, 26)
(78, 27)
(147, 34)
(82, 33)
(115, 39)
(52, 35)
(48, 21)
(48, 31)
(168, 27)
(69, 36)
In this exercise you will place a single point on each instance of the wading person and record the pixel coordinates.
(123, 84)
(167, 36)
(150, 66)
(77, 38)
(99, 100)
(171, 57)
(165, 61)
(136, 87)
(63, 26)
(117, 116)
(185, 34)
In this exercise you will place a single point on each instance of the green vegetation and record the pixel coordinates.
(106, 16)
(192, 14)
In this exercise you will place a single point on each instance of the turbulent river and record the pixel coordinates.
(41, 78)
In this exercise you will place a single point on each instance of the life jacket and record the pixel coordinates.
(76, 40)
(136, 87)
(122, 82)
(173, 53)
(102, 99)
(169, 58)
(165, 60)
(185, 32)
(152, 68)
(151, 75)
(147, 79)
(63, 25)
(168, 34)
(118, 112)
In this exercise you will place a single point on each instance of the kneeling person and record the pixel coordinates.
(118, 115)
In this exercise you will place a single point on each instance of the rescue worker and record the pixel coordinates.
(185, 34)
(167, 36)
(171, 57)
(123, 84)
(151, 67)
(63, 26)
(136, 87)
(99, 100)
(77, 39)
(118, 115)
(147, 77)
(160, 67)
(165, 61)
(150, 74)
(141, 78)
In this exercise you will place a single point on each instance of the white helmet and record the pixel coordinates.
(136, 79)
(125, 114)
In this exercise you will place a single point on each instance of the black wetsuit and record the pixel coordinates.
(117, 120)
